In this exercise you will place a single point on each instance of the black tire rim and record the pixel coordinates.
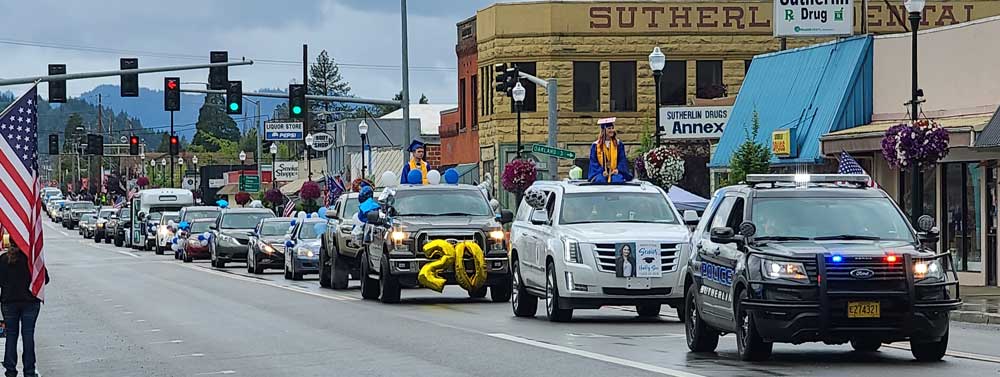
(743, 327)
(516, 287)
(692, 322)
(549, 294)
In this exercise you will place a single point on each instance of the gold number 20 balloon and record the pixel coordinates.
(447, 256)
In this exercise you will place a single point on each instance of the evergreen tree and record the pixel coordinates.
(214, 124)
(325, 80)
(70, 133)
(164, 143)
(751, 157)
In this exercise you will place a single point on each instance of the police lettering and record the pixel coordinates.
(716, 273)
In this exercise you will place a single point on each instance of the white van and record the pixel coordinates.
(152, 201)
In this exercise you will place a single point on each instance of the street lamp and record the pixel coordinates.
(309, 143)
(518, 93)
(194, 160)
(163, 170)
(243, 158)
(656, 62)
(363, 130)
(915, 8)
(274, 154)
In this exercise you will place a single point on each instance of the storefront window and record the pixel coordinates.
(709, 79)
(929, 194)
(673, 84)
(961, 223)
(586, 86)
(623, 78)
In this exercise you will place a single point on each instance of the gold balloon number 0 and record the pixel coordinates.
(447, 256)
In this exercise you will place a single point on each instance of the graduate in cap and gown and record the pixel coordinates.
(608, 163)
(417, 162)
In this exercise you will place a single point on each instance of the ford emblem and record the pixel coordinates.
(862, 273)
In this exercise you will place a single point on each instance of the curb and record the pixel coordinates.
(976, 317)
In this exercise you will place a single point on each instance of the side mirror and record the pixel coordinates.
(724, 235)
(691, 217)
(213, 227)
(374, 218)
(142, 216)
(539, 218)
(506, 216)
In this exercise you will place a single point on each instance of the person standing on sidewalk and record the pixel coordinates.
(20, 310)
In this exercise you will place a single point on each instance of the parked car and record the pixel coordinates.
(302, 247)
(194, 248)
(119, 225)
(338, 258)
(101, 224)
(267, 245)
(579, 245)
(87, 224)
(75, 210)
(231, 234)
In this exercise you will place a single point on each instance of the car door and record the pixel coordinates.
(534, 245)
(521, 242)
(711, 267)
(729, 255)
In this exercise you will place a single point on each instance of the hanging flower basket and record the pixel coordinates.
(664, 166)
(274, 196)
(309, 191)
(921, 144)
(242, 198)
(142, 182)
(518, 175)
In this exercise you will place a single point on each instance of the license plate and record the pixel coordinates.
(637, 283)
(864, 309)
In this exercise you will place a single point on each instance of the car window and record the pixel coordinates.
(200, 227)
(169, 218)
(441, 203)
(523, 211)
(274, 228)
(722, 214)
(83, 205)
(246, 220)
(155, 216)
(829, 217)
(736, 214)
(307, 231)
(87, 217)
(611, 207)
(201, 214)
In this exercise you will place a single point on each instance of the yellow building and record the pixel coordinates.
(598, 52)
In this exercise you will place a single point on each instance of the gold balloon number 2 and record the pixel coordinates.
(447, 257)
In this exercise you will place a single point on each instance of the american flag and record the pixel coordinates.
(289, 208)
(119, 203)
(848, 165)
(21, 207)
(334, 188)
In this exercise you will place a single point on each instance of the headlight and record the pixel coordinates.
(776, 270)
(498, 235)
(227, 238)
(398, 236)
(267, 248)
(572, 251)
(305, 253)
(100, 225)
(930, 269)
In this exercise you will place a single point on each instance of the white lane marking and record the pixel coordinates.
(107, 300)
(596, 356)
(191, 355)
(119, 306)
(126, 313)
(140, 320)
(154, 330)
(122, 252)
(175, 341)
(267, 283)
(956, 354)
(219, 372)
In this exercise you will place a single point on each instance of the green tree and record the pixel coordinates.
(751, 157)
(214, 124)
(248, 142)
(164, 145)
(325, 79)
(70, 133)
(280, 111)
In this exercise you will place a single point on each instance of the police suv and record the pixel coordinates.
(820, 258)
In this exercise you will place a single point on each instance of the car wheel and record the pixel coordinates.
(119, 242)
(501, 292)
(159, 249)
(186, 258)
(324, 269)
(523, 303)
(257, 269)
(96, 239)
(389, 288)
(648, 310)
(552, 309)
(749, 344)
(866, 345)
(250, 259)
(369, 286)
(700, 337)
(929, 351)
(339, 271)
(478, 292)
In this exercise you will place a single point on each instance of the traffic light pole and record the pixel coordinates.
(168, 150)
(91, 75)
(552, 89)
(311, 97)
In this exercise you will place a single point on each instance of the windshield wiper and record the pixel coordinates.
(781, 238)
(848, 237)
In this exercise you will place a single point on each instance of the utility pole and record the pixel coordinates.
(406, 84)
(305, 119)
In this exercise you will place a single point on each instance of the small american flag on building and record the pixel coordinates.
(289, 208)
(848, 165)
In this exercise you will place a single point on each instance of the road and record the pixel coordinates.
(115, 312)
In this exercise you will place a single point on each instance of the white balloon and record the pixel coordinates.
(434, 177)
(389, 179)
(302, 215)
(315, 215)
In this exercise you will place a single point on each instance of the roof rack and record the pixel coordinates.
(838, 180)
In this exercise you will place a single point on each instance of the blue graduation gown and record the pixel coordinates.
(596, 173)
(406, 172)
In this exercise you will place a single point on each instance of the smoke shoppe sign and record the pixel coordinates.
(813, 18)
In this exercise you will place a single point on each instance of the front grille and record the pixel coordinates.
(243, 241)
(604, 253)
(886, 277)
(478, 237)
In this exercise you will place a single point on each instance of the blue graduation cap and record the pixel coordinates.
(416, 144)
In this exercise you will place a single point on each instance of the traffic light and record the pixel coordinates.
(95, 144)
(57, 89)
(500, 72)
(130, 81)
(175, 145)
(133, 145)
(234, 97)
(296, 101)
(218, 77)
(172, 94)
(54, 144)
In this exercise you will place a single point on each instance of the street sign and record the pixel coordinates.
(554, 152)
(286, 171)
(813, 18)
(216, 182)
(250, 183)
(322, 141)
(283, 131)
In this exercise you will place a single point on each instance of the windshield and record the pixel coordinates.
(87, 217)
(205, 214)
(442, 203)
(83, 205)
(168, 218)
(243, 220)
(308, 231)
(200, 227)
(105, 214)
(610, 207)
(155, 216)
(274, 228)
(829, 218)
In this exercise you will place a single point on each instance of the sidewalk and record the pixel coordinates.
(981, 305)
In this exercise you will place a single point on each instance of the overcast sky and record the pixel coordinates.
(362, 35)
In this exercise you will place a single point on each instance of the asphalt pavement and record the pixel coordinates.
(118, 312)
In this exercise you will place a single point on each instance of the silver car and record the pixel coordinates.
(339, 254)
(231, 234)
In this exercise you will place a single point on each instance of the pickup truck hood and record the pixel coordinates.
(618, 232)
(860, 248)
(447, 222)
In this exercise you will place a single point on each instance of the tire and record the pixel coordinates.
(523, 303)
(186, 258)
(479, 293)
(340, 271)
(552, 309)
(749, 344)
(929, 351)
(369, 286)
(389, 288)
(700, 337)
(97, 240)
(220, 264)
(648, 310)
(324, 269)
(257, 269)
(866, 345)
(159, 249)
(501, 292)
(250, 259)
(119, 242)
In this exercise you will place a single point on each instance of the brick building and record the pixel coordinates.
(598, 52)
(460, 126)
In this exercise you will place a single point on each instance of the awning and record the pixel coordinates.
(990, 138)
(869, 137)
(685, 200)
(229, 189)
(293, 187)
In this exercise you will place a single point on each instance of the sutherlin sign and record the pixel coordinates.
(812, 18)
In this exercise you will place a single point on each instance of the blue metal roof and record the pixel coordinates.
(815, 90)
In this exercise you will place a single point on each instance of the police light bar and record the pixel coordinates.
(807, 178)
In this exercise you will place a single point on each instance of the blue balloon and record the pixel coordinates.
(173, 240)
(320, 228)
(222, 203)
(415, 177)
(293, 222)
(183, 225)
(201, 237)
(322, 212)
(451, 176)
(309, 215)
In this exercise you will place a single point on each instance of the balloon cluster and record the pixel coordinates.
(415, 177)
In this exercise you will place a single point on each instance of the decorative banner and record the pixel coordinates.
(625, 260)
(283, 131)
(702, 122)
(286, 171)
(807, 18)
(648, 260)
